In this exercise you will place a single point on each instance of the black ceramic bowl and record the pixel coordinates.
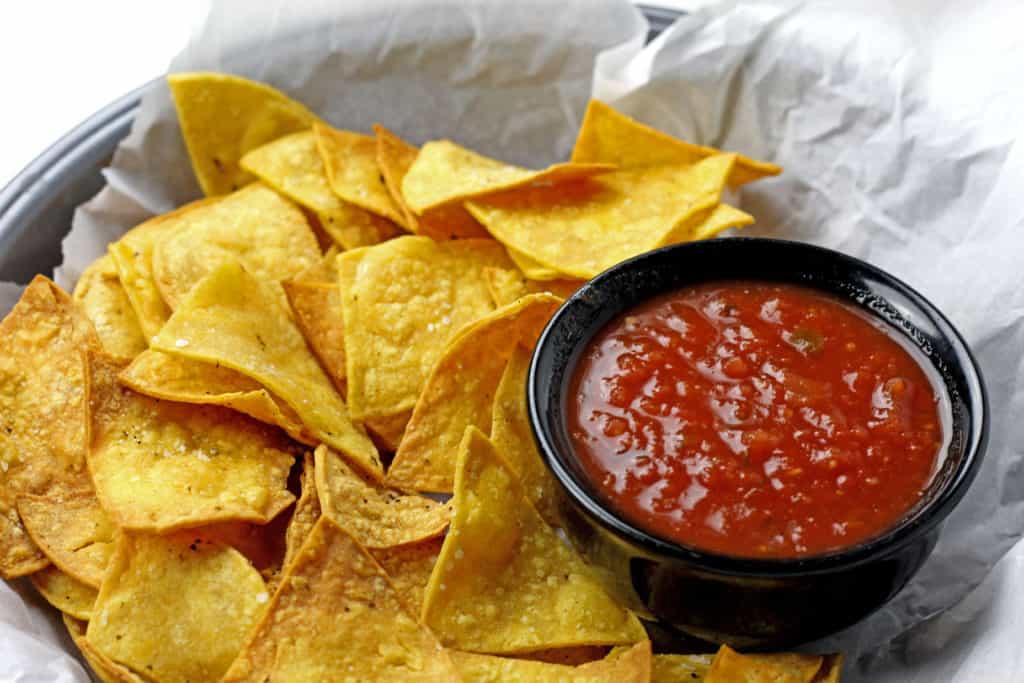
(742, 601)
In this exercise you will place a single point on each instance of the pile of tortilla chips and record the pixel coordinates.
(213, 454)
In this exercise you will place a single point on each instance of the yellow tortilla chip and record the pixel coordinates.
(580, 229)
(506, 286)
(317, 310)
(174, 378)
(172, 609)
(630, 666)
(72, 530)
(513, 438)
(375, 516)
(336, 616)
(505, 582)
(831, 669)
(680, 668)
(460, 392)
(160, 466)
(293, 167)
(730, 666)
(388, 431)
(402, 301)
(105, 302)
(531, 268)
(43, 410)
(104, 669)
(307, 512)
(323, 273)
(445, 173)
(68, 595)
(256, 226)
(610, 137)
(394, 158)
(703, 227)
(409, 568)
(222, 117)
(235, 319)
(351, 163)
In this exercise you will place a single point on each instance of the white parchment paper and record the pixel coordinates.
(896, 128)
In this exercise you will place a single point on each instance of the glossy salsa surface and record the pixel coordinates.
(754, 419)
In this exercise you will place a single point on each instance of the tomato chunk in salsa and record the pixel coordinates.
(754, 419)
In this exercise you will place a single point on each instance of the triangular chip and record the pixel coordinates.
(256, 226)
(631, 666)
(377, 517)
(175, 378)
(505, 582)
(105, 302)
(680, 668)
(460, 391)
(68, 595)
(317, 309)
(337, 617)
(101, 665)
(409, 568)
(71, 529)
(508, 285)
(222, 117)
(323, 273)
(706, 226)
(351, 163)
(394, 158)
(445, 173)
(293, 167)
(730, 666)
(307, 512)
(402, 301)
(580, 229)
(531, 268)
(234, 319)
(172, 609)
(389, 430)
(610, 137)
(43, 410)
(160, 466)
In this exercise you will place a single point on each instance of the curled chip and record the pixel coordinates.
(254, 225)
(43, 410)
(101, 665)
(172, 609)
(508, 285)
(304, 517)
(402, 301)
(708, 224)
(105, 302)
(676, 668)
(174, 378)
(505, 582)
(409, 568)
(730, 666)
(532, 268)
(444, 174)
(235, 319)
(222, 117)
(579, 229)
(317, 309)
(336, 612)
(460, 392)
(377, 517)
(68, 595)
(293, 167)
(394, 158)
(607, 136)
(351, 163)
(160, 466)
(630, 666)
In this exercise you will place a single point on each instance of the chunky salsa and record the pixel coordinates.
(754, 419)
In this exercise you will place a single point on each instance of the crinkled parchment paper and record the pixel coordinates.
(896, 128)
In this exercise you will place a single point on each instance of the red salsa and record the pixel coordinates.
(754, 419)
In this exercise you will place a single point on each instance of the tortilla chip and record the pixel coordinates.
(105, 302)
(375, 516)
(174, 378)
(235, 319)
(317, 309)
(104, 669)
(513, 438)
(506, 286)
(325, 272)
(630, 666)
(160, 466)
(293, 167)
(680, 668)
(176, 610)
(336, 616)
(402, 301)
(389, 430)
(222, 117)
(307, 512)
(72, 530)
(580, 229)
(255, 225)
(831, 669)
(730, 666)
(703, 227)
(409, 568)
(444, 174)
(68, 595)
(531, 268)
(43, 410)
(351, 163)
(505, 582)
(610, 137)
(460, 392)
(394, 158)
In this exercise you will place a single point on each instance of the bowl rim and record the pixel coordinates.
(924, 520)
